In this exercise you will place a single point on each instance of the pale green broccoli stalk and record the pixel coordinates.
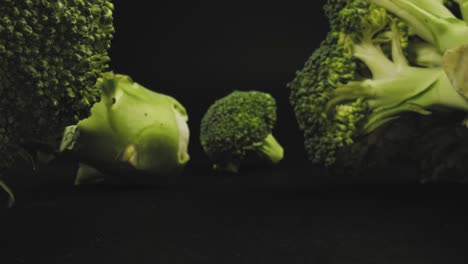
(51, 54)
(463, 4)
(430, 20)
(9, 192)
(132, 130)
(237, 129)
(421, 53)
(360, 77)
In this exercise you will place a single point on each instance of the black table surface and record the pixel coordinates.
(270, 215)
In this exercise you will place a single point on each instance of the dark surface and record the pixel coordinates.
(293, 213)
(273, 215)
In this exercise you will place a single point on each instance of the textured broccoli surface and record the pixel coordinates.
(237, 130)
(51, 54)
(380, 60)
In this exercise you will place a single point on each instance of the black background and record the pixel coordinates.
(292, 213)
(199, 52)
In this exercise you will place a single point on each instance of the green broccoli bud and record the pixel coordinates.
(237, 129)
(132, 130)
(51, 54)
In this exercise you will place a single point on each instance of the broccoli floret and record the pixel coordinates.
(237, 130)
(51, 54)
(361, 77)
(132, 130)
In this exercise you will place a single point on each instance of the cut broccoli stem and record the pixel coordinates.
(455, 65)
(425, 20)
(270, 149)
(11, 196)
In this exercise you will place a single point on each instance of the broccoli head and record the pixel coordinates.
(237, 130)
(51, 54)
(131, 131)
(380, 60)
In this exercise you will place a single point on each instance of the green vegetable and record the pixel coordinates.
(51, 54)
(132, 130)
(380, 60)
(9, 192)
(237, 130)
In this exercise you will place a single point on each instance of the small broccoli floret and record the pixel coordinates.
(132, 130)
(361, 77)
(51, 54)
(237, 130)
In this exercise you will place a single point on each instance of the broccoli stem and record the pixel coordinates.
(463, 5)
(439, 94)
(11, 196)
(430, 21)
(455, 65)
(372, 55)
(397, 87)
(392, 83)
(424, 54)
(442, 94)
(270, 149)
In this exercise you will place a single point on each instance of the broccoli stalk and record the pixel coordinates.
(270, 149)
(11, 196)
(430, 20)
(463, 5)
(396, 87)
(455, 64)
(424, 54)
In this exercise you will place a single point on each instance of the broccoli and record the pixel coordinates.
(7, 190)
(380, 60)
(442, 149)
(237, 130)
(132, 130)
(51, 54)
